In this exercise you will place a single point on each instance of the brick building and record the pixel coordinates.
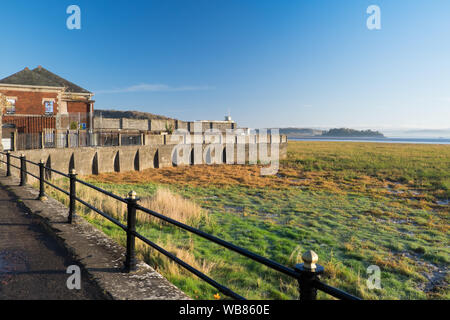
(39, 99)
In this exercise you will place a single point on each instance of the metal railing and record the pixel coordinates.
(74, 139)
(306, 274)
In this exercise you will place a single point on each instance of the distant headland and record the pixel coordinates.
(351, 133)
(332, 133)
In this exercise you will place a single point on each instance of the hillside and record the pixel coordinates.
(128, 114)
(300, 132)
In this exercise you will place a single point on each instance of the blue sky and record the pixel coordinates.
(269, 63)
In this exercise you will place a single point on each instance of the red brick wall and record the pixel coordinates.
(75, 107)
(31, 102)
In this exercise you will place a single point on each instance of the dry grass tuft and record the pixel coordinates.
(174, 206)
(296, 255)
(199, 175)
(399, 264)
(168, 267)
(164, 201)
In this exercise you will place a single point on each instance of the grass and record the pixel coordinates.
(355, 204)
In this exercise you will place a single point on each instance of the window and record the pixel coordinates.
(48, 107)
(11, 107)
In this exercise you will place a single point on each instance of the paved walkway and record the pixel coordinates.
(32, 264)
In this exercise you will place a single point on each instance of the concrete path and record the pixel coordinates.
(32, 264)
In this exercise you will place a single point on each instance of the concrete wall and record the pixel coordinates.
(181, 125)
(223, 125)
(153, 139)
(90, 160)
(124, 124)
(106, 123)
(159, 125)
(135, 124)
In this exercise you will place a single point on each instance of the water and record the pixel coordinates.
(380, 140)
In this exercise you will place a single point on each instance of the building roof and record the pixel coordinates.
(41, 77)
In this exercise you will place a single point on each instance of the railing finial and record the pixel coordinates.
(309, 260)
(132, 195)
(308, 272)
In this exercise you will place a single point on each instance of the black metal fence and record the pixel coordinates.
(74, 139)
(27, 141)
(306, 274)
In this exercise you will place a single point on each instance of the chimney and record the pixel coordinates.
(26, 69)
(39, 67)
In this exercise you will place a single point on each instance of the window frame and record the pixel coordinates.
(48, 100)
(11, 108)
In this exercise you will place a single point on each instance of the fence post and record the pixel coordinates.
(308, 271)
(23, 170)
(130, 260)
(8, 163)
(42, 140)
(42, 196)
(14, 142)
(73, 194)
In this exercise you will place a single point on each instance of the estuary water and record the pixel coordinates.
(381, 140)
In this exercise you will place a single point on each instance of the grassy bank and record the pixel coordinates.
(355, 204)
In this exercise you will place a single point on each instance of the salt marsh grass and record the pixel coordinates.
(355, 204)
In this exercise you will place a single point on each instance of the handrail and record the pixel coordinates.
(223, 243)
(57, 172)
(10, 164)
(115, 221)
(305, 274)
(335, 292)
(112, 195)
(57, 188)
(34, 163)
(11, 155)
(198, 273)
(36, 177)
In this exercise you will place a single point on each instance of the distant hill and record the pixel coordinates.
(300, 132)
(332, 133)
(128, 115)
(345, 133)
(419, 133)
